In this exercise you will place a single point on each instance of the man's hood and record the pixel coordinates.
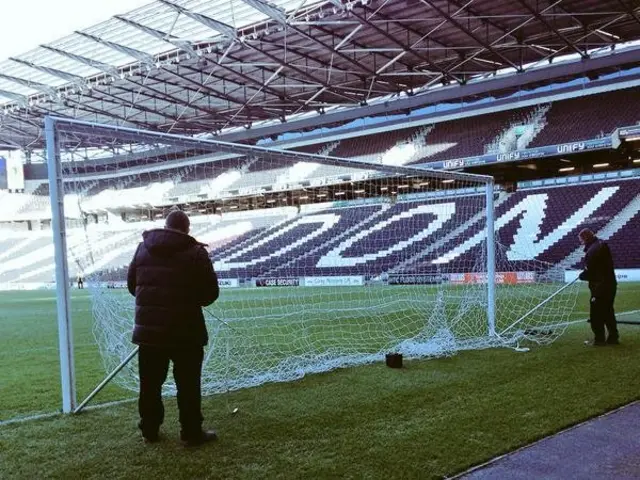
(165, 242)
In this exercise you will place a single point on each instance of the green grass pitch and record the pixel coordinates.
(428, 420)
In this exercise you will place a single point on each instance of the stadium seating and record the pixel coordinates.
(446, 234)
(537, 223)
(560, 122)
(584, 118)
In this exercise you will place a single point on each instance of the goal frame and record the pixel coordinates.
(58, 226)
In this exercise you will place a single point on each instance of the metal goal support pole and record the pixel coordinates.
(107, 380)
(491, 261)
(63, 300)
(541, 304)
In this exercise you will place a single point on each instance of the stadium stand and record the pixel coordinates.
(279, 242)
(544, 124)
(584, 118)
(539, 223)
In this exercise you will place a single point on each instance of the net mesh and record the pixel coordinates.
(323, 262)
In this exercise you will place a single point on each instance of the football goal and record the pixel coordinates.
(327, 257)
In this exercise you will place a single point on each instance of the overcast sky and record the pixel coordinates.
(29, 23)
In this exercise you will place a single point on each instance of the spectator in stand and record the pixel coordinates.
(600, 274)
(172, 278)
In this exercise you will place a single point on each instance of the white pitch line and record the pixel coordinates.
(41, 416)
(43, 349)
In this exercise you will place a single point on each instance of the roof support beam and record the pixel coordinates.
(165, 97)
(273, 12)
(103, 67)
(29, 121)
(491, 22)
(20, 99)
(186, 46)
(150, 61)
(280, 17)
(581, 24)
(558, 34)
(483, 87)
(30, 84)
(124, 104)
(630, 10)
(157, 34)
(405, 49)
(330, 52)
(428, 36)
(250, 81)
(325, 85)
(219, 26)
(214, 93)
(470, 34)
(11, 128)
(344, 40)
(506, 34)
(96, 111)
(113, 71)
(132, 52)
(213, 24)
(69, 77)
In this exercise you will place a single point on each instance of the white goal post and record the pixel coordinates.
(421, 266)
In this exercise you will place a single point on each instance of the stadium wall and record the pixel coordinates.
(504, 278)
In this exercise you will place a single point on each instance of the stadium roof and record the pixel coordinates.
(201, 66)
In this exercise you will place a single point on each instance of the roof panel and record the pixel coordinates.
(333, 53)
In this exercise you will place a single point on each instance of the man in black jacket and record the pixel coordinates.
(172, 278)
(600, 274)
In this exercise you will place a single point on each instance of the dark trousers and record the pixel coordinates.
(153, 366)
(603, 315)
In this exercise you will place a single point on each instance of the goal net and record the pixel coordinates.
(324, 262)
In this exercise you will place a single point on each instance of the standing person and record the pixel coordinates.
(80, 282)
(600, 274)
(172, 278)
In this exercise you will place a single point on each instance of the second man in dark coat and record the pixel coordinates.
(600, 274)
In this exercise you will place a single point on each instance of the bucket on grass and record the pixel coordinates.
(394, 360)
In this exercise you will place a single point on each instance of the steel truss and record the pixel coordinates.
(284, 58)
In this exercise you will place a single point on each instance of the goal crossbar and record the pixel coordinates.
(71, 125)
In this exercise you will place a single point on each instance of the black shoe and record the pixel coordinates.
(595, 344)
(150, 437)
(199, 438)
(613, 342)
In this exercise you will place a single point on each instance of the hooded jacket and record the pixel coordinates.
(172, 278)
(599, 269)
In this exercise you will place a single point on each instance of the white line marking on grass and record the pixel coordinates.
(32, 299)
(42, 349)
(41, 416)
